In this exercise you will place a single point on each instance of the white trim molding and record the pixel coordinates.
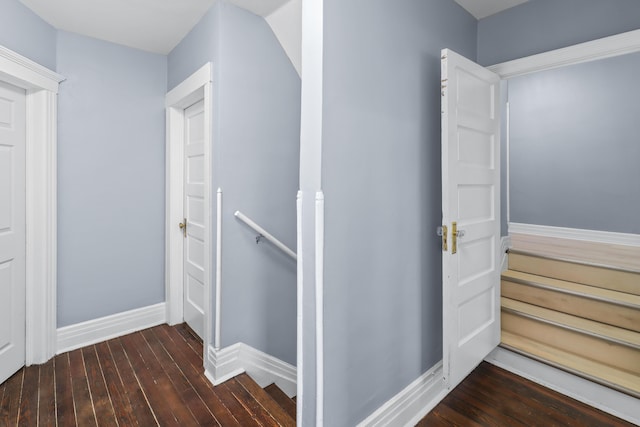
(607, 237)
(606, 47)
(27, 74)
(319, 270)
(300, 310)
(41, 86)
(264, 369)
(411, 404)
(218, 303)
(108, 327)
(606, 399)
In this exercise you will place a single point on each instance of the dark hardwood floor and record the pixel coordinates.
(154, 377)
(491, 396)
(149, 378)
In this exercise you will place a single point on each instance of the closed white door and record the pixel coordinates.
(470, 203)
(12, 229)
(194, 213)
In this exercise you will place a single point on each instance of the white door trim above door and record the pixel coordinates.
(607, 47)
(41, 85)
(195, 88)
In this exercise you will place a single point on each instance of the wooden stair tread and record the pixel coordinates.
(282, 399)
(266, 401)
(607, 375)
(602, 330)
(574, 288)
(615, 256)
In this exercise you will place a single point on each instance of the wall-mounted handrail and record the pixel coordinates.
(264, 233)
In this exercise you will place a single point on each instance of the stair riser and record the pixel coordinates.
(582, 306)
(616, 280)
(604, 374)
(595, 348)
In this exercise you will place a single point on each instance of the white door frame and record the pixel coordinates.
(195, 88)
(41, 86)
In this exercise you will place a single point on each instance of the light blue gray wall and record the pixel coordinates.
(110, 178)
(256, 162)
(542, 25)
(26, 33)
(196, 49)
(381, 177)
(575, 149)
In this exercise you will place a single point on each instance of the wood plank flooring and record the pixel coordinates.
(149, 378)
(154, 378)
(491, 396)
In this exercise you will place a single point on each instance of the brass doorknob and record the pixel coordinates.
(183, 227)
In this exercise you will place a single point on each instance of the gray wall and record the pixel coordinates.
(256, 158)
(26, 33)
(110, 178)
(381, 177)
(541, 25)
(196, 49)
(575, 147)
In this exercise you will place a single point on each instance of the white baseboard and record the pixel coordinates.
(608, 400)
(505, 245)
(576, 234)
(411, 404)
(226, 363)
(93, 331)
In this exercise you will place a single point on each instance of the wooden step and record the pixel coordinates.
(288, 404)
(602, 305)
(271, 407)
(602, 276)
(608, 345)
(603, 374)
(625, 257)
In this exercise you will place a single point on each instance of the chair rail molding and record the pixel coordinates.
(41, 86)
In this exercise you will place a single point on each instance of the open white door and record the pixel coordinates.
(471, 214)
(12, 229)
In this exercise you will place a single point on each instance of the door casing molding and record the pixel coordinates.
(195, 88)
(41, 86)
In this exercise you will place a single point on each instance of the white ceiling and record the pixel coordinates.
(150, 25)
(483, 8)
(159, 25)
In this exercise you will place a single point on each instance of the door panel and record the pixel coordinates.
(12, 229)
(194, 212)
(470, 197)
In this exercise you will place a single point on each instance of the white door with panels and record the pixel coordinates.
(12, 229)
(193, 225)
(471, 214)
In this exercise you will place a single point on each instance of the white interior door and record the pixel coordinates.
(12, 229)
(194, 213)
(470, 199)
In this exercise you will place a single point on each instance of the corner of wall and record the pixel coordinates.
(226, 363)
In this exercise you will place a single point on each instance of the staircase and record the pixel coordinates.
(576, 306)
(268, 406)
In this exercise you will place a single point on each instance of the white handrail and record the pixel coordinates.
(266, 234)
